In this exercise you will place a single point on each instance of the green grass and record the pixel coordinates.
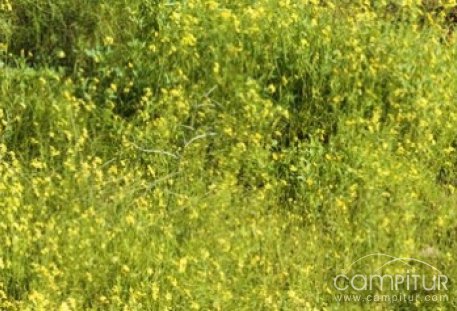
(220, 155)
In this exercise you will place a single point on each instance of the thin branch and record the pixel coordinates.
(157, 151)
(197, 138)
(210, 91)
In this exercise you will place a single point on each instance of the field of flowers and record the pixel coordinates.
(222, 155)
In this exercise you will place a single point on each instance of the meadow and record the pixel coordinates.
(223, 155)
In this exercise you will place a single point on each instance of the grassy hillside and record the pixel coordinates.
(222, 155)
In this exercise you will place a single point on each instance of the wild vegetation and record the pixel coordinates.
(222, 155)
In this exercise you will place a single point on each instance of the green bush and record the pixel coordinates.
(52, 32)
(220, 155)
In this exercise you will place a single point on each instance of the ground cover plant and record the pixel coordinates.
(223, 155)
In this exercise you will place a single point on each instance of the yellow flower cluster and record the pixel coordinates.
(217, 155)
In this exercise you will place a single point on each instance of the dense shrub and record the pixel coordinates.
(218, 154)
